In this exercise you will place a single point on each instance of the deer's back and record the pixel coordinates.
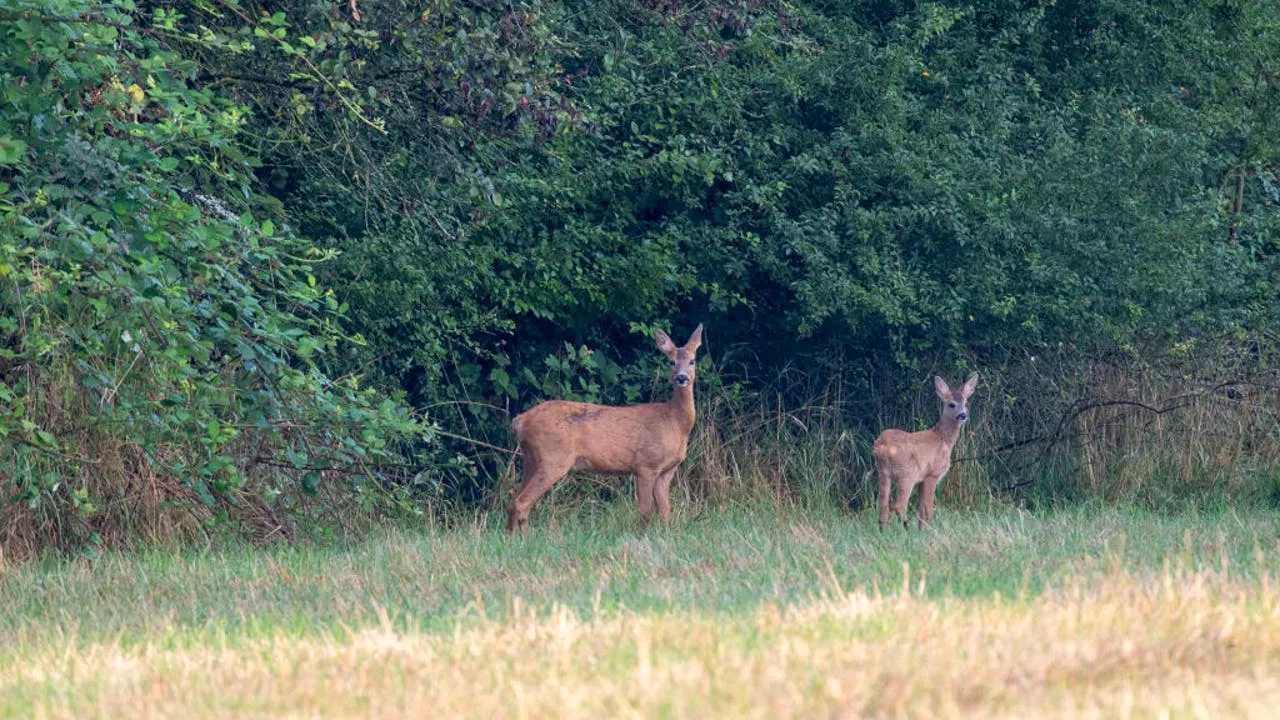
(912, 451)
(602, 438)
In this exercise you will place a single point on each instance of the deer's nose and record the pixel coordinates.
(962, 416)
(682, 379)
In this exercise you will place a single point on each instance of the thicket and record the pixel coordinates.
(263, 259)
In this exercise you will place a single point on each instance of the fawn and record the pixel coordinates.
(907, 459)
(648, 441)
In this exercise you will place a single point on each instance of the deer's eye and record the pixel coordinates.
(672, 363)
(951, 405)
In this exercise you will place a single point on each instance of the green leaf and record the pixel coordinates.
(12, 150)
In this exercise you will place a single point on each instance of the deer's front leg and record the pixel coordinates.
(926, 499)
(645, 480)
(662, 495)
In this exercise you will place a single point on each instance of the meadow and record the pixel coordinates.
(274, 283)
(748, 612)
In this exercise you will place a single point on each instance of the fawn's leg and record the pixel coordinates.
(926, 500)
(905, 486)
(886, 484)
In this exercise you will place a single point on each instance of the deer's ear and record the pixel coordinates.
(665, 346)
(969, 386)
(695, 340)
(940, 386)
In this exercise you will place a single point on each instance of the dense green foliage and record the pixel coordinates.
(891, 179)
(150, 318)
(211, 207)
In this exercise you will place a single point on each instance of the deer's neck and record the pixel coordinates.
(948, 428)
(681, 406)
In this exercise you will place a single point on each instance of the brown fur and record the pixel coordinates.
(648, 441)
(920, 458)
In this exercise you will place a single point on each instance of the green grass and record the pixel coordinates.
(713, 563)
(724, 575)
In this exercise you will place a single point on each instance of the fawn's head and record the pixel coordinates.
(955, 404)
(683, 360)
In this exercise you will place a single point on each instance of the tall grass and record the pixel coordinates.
(1168, 431)
(1163, 431)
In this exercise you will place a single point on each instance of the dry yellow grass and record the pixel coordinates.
(1176, 643)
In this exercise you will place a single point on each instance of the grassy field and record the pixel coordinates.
(1094, 612)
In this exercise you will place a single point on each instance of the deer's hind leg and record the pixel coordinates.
(539, 475)
(886, 485)
(528, 469)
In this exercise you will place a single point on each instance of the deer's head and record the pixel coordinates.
(683, 360)
(955, 404)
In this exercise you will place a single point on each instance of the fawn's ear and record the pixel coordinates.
(665, 346)
(695, 340)
(940, 386)
(969, 386)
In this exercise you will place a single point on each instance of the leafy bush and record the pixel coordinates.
(155, 314)
(872, 190)
(506, 199)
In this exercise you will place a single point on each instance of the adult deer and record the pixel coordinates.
(647, 441)
(921, 458)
